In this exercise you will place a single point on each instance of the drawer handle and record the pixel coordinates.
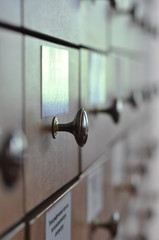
(147, 95)
(114, 110)
(11, 157)
(127, 187)
(141, 169)
(78, 127)
(112, 3)
(134, 99)
(111, 225)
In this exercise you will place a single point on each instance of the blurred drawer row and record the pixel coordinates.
(92, 207)
(78, 21)
(70, 215)
(41, 81)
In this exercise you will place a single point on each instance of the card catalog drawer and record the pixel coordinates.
(10, 11)
(92, 15)
(74, 205)
(11, 141)
(17, 234)
(126, 33)
(51, 89)
(56, 18)
(64, 218)
(103, 126)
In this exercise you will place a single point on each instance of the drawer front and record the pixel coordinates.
(50, 162)
(77, 197)
(55, 18)
(17, 234)
(92, 15)
(80, 228)
(11, 197)
(10, 12)
(94, 95)
(126, 33)
(103, 78)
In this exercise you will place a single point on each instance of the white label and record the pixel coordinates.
(118, 165)
(58, 220)
(97, 79)
(95, 196)
(55, 81)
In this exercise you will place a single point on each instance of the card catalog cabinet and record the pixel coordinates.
(50, 163)
(11, 117)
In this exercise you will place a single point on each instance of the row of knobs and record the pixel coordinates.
(132, 12)
(15, 143)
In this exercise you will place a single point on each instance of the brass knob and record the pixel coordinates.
(127, 187)
(78, 127)
(141, 169)
(114, 111)
(11, 157)
(111, 225)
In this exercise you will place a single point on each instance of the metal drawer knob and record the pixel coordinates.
(127, 187)
(134, 99)
(111, 225)
(78, 127)
(112, 3)
(11, 157)
(114, 111)
(141, 169)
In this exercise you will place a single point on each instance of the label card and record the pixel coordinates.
(95, 193)
(97, 79)
(55, 81)
(58, 220)
(118, 163)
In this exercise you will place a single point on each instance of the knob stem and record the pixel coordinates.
(111, 225)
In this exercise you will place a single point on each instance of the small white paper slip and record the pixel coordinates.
(58, 220)
(95, 196)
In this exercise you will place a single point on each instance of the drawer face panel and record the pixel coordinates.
(56, 18)
(126, 34)
(51, 163)
(94, 95)
(17, 234)
(92, 15)
(77, 198)
(11, 199)
(10, 11)
(80, 229)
